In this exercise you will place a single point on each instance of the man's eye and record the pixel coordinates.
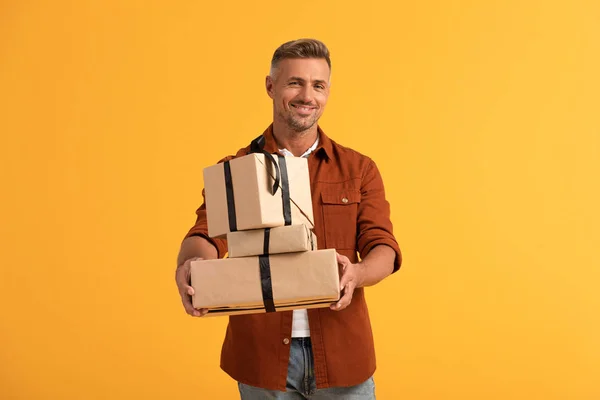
(293, 83)
(320, 87)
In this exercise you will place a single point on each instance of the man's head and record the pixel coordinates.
(299, 83)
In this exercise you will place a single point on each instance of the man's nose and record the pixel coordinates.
(307, 94)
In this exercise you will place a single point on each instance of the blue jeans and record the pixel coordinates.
(301, 381)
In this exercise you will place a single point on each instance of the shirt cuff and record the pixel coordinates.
(219, 244)
(388, 242)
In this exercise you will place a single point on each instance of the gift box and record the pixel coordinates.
(257, 191)
(266, 283)
(282, 239)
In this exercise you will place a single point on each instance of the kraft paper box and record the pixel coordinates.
(240, 191)
(282, 239)
(231, 286)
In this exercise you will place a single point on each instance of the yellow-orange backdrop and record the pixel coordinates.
(482, 116)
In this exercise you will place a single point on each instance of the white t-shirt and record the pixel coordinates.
(300, 327)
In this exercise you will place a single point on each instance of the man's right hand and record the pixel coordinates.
(182, 278)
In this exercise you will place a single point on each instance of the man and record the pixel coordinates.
(320, 353)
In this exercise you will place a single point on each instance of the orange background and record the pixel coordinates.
(482, 116)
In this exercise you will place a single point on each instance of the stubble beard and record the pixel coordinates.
(300, 125)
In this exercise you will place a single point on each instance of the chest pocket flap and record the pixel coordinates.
(341, 197)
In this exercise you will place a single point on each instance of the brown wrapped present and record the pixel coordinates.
(270, 283)
(282, 239)
(257, 191)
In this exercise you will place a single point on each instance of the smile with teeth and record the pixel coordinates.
(302, 108)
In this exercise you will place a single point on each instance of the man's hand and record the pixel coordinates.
(182, 278)
(352, 277)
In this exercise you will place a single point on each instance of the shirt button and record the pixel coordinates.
(344, 200)
(286, 341)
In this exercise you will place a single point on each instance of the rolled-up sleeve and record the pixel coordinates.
(374, 223)
(200, 228)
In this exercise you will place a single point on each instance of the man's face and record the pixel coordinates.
(299, 88)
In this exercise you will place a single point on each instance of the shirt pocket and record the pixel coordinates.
(340, 214)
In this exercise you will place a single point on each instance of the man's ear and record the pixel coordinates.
(269, 85)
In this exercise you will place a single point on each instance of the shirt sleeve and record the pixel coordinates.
(200, 228)
(374, 223)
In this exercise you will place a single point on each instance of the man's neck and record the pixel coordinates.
(296, 142)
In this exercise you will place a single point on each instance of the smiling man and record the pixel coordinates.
(325, 353)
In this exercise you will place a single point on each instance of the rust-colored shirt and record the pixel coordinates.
(351, 215)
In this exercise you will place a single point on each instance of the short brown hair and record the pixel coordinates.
(301, 48)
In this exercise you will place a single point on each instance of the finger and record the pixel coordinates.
(348, 275)
(186, 291)
(348, 295)
(346, 298)
(189, 308)
(346, 278)
(182, 279)
(342, 260)
(341, 304)
(182, 276)
(187, 263)
(185, 268)
(200, 312)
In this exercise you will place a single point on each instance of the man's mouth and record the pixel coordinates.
(303, 109)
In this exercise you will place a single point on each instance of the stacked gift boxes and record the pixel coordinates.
(262, 204)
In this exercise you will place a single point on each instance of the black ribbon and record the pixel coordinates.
(257, 146)
(265, 275)
(285, 191)
(230, 198)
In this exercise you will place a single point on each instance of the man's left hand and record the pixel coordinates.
(352, 277)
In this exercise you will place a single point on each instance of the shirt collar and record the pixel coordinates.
(322, 145)
(312, 148)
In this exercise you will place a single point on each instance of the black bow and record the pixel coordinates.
(257, 146)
